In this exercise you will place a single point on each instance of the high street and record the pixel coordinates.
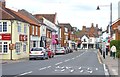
(81, 62)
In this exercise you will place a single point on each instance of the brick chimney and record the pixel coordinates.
(2, 3)
(84, 28)
(92, 25)
(96, 25)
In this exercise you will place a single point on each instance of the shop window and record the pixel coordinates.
(24, 48)
(0, 47)
(3, 47)
(0, 27)
(17, 47)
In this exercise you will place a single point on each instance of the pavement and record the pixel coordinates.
(12, 61)
(112, 64)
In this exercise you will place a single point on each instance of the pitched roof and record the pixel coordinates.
(50, 17)
(29, 15)
(67, 25)
(5, 15)
(19, 16)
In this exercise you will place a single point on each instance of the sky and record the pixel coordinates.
(76, 12)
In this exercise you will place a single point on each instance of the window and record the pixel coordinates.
(34, 43)
(85, 40)
(0, 47)
(3, 47)
(33, 30)
(24, 48)
(66, 29)
(0, 27)
(25, 29)
(36, 30)
(17, 47)
(19, 27)
(4, 26)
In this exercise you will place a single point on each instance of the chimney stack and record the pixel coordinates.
(96, 25)
(92, 25)
(2, 3)
(84, 28)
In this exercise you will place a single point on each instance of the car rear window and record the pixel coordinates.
(36, 49)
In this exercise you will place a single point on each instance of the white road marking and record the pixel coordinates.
(58, 63)
(26, 73)
(73, 58)
(63, 70)
(96, 69)
(79, 68)
(58, 67)
(81, 71)
(48, 66)
(67, 60)
(72, 70)
(43, 68)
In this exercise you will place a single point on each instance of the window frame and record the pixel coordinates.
(3, 44)
(2, 26)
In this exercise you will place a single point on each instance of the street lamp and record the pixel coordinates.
(110, 23)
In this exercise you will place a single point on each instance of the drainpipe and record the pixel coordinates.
(11, 58)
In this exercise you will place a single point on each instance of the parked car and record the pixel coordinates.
(50, 53)
(38, 52)
(60, 50)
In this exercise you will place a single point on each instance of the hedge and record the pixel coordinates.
(117, 44)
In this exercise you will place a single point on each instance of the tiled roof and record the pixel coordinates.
(91, 32)
(5, 15)
(50, 17)
(67, 25)
(29, 15)
(21, 17)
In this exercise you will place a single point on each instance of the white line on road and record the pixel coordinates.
(43, 68)
(58, 63)
(48, 66)
(26, 73)
(73, 58)
(67, 60)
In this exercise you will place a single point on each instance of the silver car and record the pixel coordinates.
(60, 50)
(38, 52)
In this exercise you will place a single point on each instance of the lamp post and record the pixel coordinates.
(110, 23)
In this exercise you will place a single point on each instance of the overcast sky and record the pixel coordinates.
(75, 12)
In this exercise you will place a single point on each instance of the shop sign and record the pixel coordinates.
(22, 37)
(6, 36)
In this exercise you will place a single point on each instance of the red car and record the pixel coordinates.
(50, 53)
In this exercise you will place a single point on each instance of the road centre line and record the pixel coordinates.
(58, 63)
(48, 66)
(26, 73)
(67, 60)
(43, 68)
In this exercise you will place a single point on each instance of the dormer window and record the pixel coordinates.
(84, 40)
